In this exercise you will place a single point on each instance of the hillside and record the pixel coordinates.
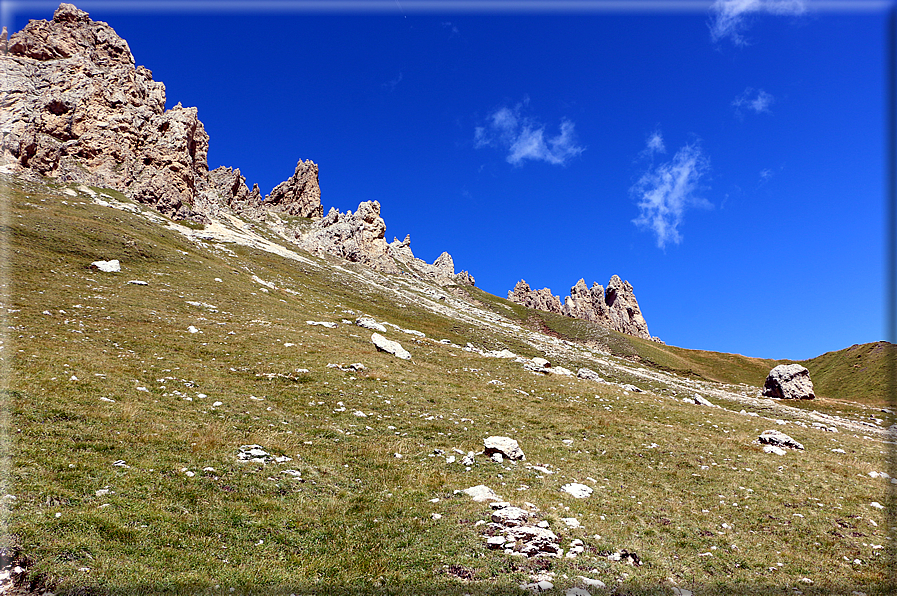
(127, 428)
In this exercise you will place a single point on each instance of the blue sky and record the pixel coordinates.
(727, 158)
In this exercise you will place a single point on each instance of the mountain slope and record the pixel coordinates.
(126, 430)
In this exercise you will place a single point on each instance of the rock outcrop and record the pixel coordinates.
(300, 194)
(442, 270)
(789, 381)
(615, 308)
(356, 237)
(76, 108)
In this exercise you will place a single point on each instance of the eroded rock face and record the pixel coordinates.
(442, 271)
(77, 109)
(300, 194)
(615, 308)
(535, 299)
(789, 381)
(231, 186)
(356, 237)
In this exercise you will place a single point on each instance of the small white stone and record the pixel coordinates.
(579, 491)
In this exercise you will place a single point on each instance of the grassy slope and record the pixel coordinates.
(361, 519)
(857, 373)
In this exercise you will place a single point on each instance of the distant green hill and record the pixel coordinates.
(858, 373)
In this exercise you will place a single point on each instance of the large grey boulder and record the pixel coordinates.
(789, 381)
(505, 446)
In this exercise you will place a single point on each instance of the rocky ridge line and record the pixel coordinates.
(77, 109)
(615, 307)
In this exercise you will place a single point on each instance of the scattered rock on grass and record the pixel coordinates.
(481, 493)
(390, 347)
(112, 266)
(369, 323)
(778, 438)
(322, 324)
(589, 375)
(505, 446)
(580, 491)
(254, 453)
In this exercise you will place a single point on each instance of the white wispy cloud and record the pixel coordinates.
(654, 144)
(523, 137)
(729, 18)
(666, 191)
(757, 101)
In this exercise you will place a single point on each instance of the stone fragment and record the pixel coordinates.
(532, 541)
(773, 449)
(701, 401)
(494, 542)
(468, 460)
(390, 347)
(590, 375)
(579, 491)
(481, 493)
(576, 592)
(541, 362)
(510, 516)
(505, 446)
(778, 438)
(589, 582)
(327, 324)
(369, 323)
(254, 453)
(789, 381)
(112, 266)
(538, 587)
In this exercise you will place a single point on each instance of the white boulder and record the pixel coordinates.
(390, 347)
(112, 266)
(580, 491)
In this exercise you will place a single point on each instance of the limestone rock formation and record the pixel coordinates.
(535, 299)
(231, 186)
(77, 109)
(789, 381)
(615, 308)
(442, 270)
(356, 237)
(300, 194)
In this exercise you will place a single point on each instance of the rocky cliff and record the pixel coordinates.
(615, 307)
(77, 109)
